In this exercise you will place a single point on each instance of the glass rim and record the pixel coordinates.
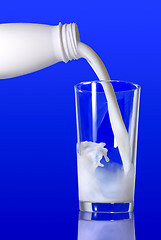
(137, 87)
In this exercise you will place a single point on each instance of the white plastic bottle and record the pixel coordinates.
(27, 47)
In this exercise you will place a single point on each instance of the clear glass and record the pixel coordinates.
(103, 184)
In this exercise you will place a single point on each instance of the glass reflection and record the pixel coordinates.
(104, 226)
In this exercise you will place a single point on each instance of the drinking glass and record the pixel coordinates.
(104, 185)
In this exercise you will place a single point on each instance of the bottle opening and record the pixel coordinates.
(69, 38)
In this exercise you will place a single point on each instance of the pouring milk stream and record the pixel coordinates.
(27, 47)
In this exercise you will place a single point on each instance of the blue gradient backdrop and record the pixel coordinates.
(38, 179)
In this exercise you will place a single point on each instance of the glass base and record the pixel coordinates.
(106, 207)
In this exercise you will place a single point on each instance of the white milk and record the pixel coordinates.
(100, 183)
(97, 183)
(117, 124)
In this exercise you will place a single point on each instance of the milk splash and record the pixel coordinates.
(99, 179)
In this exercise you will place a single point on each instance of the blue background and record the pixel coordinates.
(38, 178)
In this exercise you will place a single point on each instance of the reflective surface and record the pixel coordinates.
(92, 227)
(73, 226)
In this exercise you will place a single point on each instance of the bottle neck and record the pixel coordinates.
(69, 37)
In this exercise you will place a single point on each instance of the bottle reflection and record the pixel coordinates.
(106, 226)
